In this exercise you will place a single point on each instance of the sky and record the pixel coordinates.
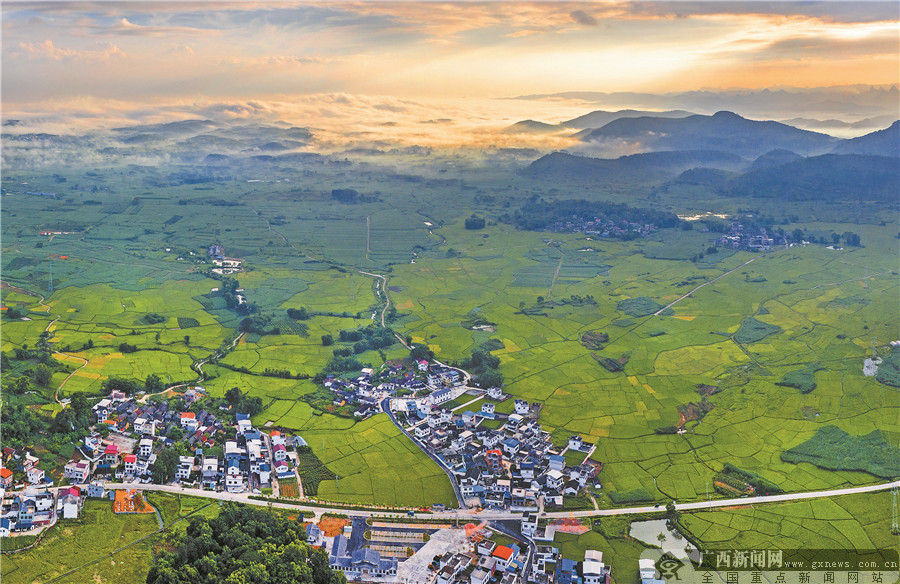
(143, 60)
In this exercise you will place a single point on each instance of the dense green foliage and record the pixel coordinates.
(833, 449)
(474, 222)
(636, 496)
(637, 307)
(369, 337)
(243, 404)
(483, 367)
(243, 546)
(540, 214)
(803, 379)
(740, 479)
(889, 370)
(753, 330)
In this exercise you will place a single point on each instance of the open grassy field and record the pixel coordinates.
(376, 464)
(86, 544)
(846, 522)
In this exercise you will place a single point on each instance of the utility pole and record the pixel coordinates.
(895, 529)
(50, 289)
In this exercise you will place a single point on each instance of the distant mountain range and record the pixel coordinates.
(883, 142)
(723, 131)
(860, 168)
(595, 119)
(819, 102)
(562, 166)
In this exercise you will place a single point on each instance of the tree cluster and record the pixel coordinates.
(538, 215)
(243, 546)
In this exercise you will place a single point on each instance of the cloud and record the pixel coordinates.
(583, 18)
(47, 50)
(125, 27)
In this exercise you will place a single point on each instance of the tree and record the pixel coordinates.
(420, 352)
(163, 470)
(233, 396)
(671, 512)
(327, 340)
(540, 299)
(42, 375)
(4, 362)
(176, 434)
(187, 340)
(797, 234)
(835, 238)
(153, 383)
(475, 222)
(16, 311)
(851, 239)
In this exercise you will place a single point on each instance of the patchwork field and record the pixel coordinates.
(140, 250)
(85, 544)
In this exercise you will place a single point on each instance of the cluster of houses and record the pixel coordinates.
(598, 227)
(427, 384)
(32, 508)
(223, 456)
(224, 265)
(251, 458)
(25, 462)
(511, 466)
(739, 237)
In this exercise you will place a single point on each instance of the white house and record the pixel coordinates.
(279, 452)
(575, 443)
(130, 461)
(189, 421)
(593, 569)
(185, 467)
(144, 426)
(234, 480)
(101, 409)
(145, 447)
(522, 407)
(442, 396)
(495, 393)
(35, 475)
(77, 472)
(422, 431)
(555, 479)
(529, 524)
(488, 408)
(647, 568)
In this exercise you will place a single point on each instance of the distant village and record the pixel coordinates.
(599, 228)
(746, 239)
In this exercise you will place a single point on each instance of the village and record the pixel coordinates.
(127, 440)
(496, 461)
(600, 228)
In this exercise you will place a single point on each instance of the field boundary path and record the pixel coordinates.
(658, 312)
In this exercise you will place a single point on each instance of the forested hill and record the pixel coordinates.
(244, 545)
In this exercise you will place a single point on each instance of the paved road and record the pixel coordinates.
(478, 516)
(670, 305)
